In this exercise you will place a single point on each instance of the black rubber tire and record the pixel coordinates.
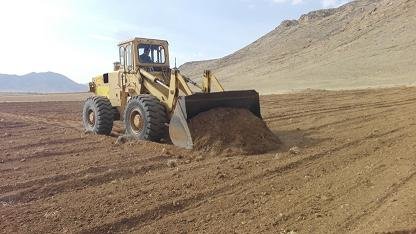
(116, 114)
(101, 108)
(153, 118)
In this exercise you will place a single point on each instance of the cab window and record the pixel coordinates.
(129, 61)
(121, 51)
(126, 56)
(151, 54)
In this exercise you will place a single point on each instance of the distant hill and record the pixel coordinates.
(365, 43)
(45, 82)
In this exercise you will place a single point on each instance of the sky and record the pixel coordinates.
(78, 38)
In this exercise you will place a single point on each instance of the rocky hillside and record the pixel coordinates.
(45, 82)
(365, 43)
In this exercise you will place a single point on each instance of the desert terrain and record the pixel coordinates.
(365, 43)
(346, 165)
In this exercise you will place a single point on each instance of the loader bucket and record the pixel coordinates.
(190, 106)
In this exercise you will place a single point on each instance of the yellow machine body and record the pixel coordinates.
(135, 74)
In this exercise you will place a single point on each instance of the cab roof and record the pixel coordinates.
(145, 40)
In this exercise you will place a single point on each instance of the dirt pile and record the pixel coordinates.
(230, 131)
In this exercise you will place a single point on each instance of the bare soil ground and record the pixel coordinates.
(353, 171)
(30, 97)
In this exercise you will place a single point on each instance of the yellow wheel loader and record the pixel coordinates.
(151, 98)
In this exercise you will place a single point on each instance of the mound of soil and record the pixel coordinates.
(231, 131)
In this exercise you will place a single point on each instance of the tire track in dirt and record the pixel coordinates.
(47, 143)
(154, 213)
(304, 163)
(351, 121)
(329, 169)
(12, 125)
(293, 173)
(78, 174)
(37, 192)
(138, 220)
(373, 206)
(51, 122)
(314, 157)
(308, 161)
(358, 107)
(375, 148)
(49, 154)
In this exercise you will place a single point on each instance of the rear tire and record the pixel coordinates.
(145, 118)
(97, 115)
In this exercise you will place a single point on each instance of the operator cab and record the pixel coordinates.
(149, 54)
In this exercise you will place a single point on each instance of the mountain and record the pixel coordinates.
(45, 82)
(365, 43)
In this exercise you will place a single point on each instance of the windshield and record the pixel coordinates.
(151, 53)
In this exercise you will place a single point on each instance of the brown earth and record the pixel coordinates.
(365, 43)
(28, 97)
(354, 172)
(229, 131)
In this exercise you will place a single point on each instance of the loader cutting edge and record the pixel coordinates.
(190, 106)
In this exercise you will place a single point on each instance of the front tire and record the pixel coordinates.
(145, 118)
(97, 115)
